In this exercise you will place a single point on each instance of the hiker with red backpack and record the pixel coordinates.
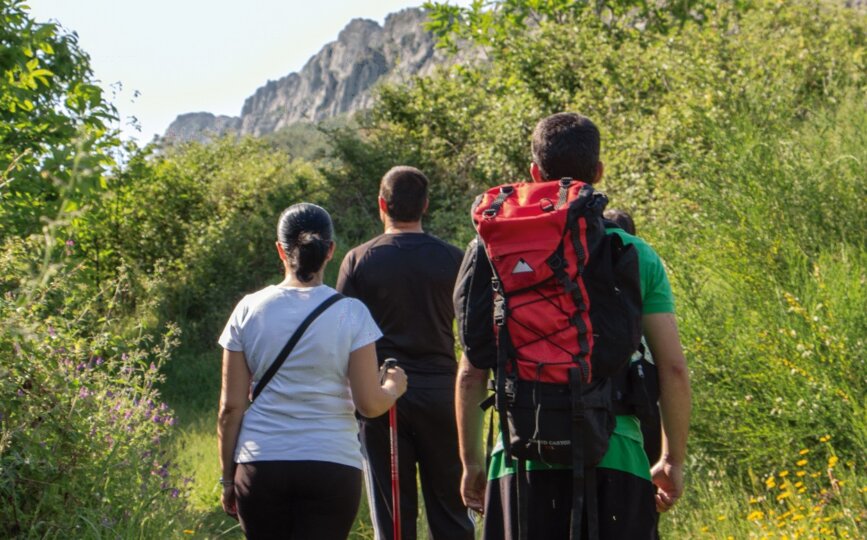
(554, 301)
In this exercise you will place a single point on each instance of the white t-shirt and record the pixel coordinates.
(306, 411)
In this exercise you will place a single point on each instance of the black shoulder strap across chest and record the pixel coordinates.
(275, 366)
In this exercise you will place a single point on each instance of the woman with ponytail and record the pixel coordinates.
(292, 468)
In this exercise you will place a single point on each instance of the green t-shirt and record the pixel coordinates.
(626, 446)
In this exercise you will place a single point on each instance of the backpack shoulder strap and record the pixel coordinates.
(275, 366)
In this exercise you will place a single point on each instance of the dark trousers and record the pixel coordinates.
(297, 499)
(627, 509)
(427, 438)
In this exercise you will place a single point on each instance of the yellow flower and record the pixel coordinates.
(825, 438)
(755, 515)
(784, 474)
(799, 484)
(801, 462)
(188, 531)
(832, 461)
(804, 452)
(784, 495)
(770, 482)
(721, 518)
(800, 473)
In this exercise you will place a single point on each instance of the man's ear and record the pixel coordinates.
(426, 204)
(536, 172)
(383, 206)
(600, 170)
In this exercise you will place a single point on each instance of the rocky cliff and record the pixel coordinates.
(338, 79)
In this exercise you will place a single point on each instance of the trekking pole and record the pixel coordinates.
(395, 477)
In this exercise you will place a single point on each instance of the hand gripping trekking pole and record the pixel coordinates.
(395, 477)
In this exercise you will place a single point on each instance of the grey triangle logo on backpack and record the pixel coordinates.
(522, 267)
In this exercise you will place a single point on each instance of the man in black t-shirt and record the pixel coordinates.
(406, 278)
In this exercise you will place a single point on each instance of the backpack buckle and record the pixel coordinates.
(556, 262)
(489, 213)
(499, 312)
(510, 389)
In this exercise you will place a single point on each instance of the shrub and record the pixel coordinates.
(82, 431)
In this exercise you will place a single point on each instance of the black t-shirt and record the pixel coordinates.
(406, 280)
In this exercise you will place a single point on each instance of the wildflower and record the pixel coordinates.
(784, 474)
(770, 482)
(51, 331)
(832, 461)
(804, 452)
(70, 243)
(801, 462)
(721, 518)
(755, 515)
(188, 531)
(825, 438)
(799, 474)
(84, 392)
(20, 393)
(784, 495)
(175, 493)
(153, 367)
(99, 361)
(124, 357)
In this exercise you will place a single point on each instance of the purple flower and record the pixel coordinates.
(109, 393)
(81, 367)
(51, 331)
(153, 367)
(157, 419)
(124, 357)
(20, 393)
(99, 361)
(171, 420)
(175, 493)
(84, 392)
(70, 243)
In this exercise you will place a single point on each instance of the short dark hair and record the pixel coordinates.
(306, 233)
(404, 190)
(621, 218)
(566, 145)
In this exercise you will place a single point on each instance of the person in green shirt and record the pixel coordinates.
(629, 490)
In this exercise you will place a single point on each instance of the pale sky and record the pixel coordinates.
(200, 55)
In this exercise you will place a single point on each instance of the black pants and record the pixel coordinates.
(297, 499)
(626, 506)
(427, 438)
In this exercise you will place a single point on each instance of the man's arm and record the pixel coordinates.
(470, 390)
(675, 403)
(345, 283)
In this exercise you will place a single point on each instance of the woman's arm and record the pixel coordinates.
(371, 397)
(233, 402)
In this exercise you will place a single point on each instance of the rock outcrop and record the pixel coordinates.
(338, 79)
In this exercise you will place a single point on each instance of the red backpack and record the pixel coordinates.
(567, 318)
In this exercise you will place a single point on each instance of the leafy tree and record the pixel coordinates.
(54, 121)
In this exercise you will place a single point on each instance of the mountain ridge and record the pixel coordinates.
(339, 79)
